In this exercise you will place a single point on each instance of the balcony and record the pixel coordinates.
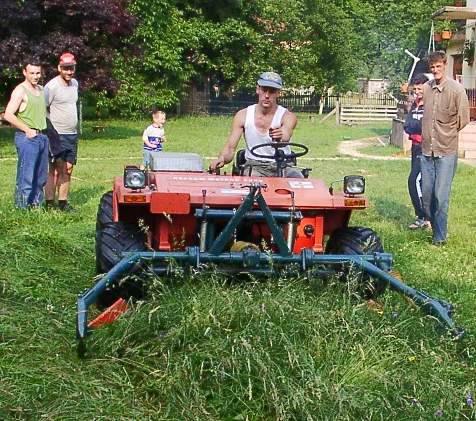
(455, 13)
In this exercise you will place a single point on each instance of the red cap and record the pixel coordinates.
(67, 59)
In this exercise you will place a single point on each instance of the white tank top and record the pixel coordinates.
(254, 137)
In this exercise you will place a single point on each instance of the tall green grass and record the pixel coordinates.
(205, 347)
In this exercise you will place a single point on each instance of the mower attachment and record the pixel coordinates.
(214, 249)
(259, 263)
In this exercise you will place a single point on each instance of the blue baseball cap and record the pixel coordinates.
(271, 79)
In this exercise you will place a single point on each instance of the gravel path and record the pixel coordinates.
(351, 147)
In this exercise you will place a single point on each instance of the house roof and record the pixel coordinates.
(455, 13)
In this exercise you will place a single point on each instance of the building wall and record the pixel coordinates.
(467, 75)
(469, 72)
(373, 86)
(469, 81)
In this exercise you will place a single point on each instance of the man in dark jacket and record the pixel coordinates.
(413, 128)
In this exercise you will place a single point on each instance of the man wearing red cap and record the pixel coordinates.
(61, 95)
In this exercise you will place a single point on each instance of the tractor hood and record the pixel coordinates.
(229, 191)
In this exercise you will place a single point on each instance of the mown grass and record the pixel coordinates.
(208, 348)
(384, 150)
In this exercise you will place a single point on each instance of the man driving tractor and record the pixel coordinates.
(265, 126)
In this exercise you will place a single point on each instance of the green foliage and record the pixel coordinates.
(311, 43)
(390, 28)
(445, 25)
(468, 51)
(176, 44)
(316, 43)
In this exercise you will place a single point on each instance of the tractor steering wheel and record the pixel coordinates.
(280, 156)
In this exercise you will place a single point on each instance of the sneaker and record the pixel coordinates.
(67, 208)
(438, 243)
(418, 223)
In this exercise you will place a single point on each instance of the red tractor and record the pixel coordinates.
(178, 212)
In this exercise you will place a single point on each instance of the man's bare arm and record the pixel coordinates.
(12, 107)
(228, 151)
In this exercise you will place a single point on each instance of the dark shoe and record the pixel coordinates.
(67, 208)
(50, 205)
(33, 207)
(438, 243)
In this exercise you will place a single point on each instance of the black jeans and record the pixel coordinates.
(414, 182)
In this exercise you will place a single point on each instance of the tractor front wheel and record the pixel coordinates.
(116, 238)
(103, 218)
(358, 240)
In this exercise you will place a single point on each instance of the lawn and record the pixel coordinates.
(202, 348)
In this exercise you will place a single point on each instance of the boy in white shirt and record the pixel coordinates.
(154, 135)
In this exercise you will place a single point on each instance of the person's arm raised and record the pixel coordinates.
(285, 132)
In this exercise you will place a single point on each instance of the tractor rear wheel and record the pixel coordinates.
(103, 217)
(358, 240)
(116, 238)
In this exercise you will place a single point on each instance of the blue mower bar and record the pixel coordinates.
(377, 265)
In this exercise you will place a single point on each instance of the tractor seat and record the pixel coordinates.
(239, 164)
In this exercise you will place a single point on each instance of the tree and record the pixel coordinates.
(232, 41)
(139, 53)
(93, 31)
(393, 27)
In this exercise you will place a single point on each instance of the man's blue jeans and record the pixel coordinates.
(32, 169)
(436, 177)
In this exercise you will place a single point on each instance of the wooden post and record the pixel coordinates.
(337, 111)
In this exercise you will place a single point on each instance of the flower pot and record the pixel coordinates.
(437, 37)
(459, 3)
(446, 34)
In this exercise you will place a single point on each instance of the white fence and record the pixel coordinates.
(364, 113)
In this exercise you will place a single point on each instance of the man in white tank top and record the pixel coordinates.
(261, 123)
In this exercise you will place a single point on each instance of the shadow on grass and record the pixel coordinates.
(85, 194)
(6, 135)
(107, 131)
(381, 131)
(392, 210)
